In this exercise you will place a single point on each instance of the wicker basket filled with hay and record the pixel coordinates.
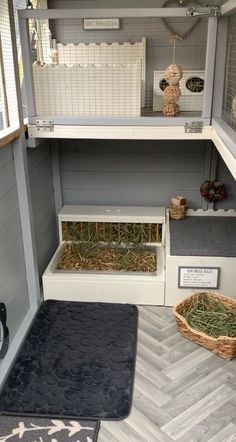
(209, 319)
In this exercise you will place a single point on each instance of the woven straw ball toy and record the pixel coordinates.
(172, 93)
(171, 109)
(173, 74)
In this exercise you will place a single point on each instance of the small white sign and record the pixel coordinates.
(101, 23)
(198, 277)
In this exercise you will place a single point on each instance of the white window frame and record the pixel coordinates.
(13, 113)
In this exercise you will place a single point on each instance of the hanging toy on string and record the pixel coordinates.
(172, 93)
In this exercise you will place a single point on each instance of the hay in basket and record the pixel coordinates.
(209, 319)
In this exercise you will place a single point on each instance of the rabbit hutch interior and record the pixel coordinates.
(108, 116)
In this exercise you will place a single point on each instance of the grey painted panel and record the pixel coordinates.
(41, 186)
(135, 173)
(138, 197)
(48, 208)
(45, 242)
(10, 259)
(9, 233)
(7, 178)
(149, 162)
(123, 181)
(189, 57)
(8, 206)
(13, 283)
(43, 205)
(131, 29)
(5, 156)
(224, 175)
(179, 147)
(71, 4)
(36, 156)
(14, 293)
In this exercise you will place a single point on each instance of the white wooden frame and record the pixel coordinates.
(103, 286)
(148, 127)
(121, 13)
(224, 137)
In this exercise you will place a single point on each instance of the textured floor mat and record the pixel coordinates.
(77, 361)
(41, 429)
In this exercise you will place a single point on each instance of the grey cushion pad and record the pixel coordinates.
(203, 236)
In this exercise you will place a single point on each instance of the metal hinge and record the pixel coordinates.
(44, 126)
(210, 11)
(193, 127)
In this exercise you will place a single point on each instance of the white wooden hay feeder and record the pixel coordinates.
(124, 287)
(187, 269)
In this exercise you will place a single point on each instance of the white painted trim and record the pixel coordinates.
(228, 8)
(121, 132)
(15, 345)
(225, 153)
(112, 214)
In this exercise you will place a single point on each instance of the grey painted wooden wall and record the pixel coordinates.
(132, 172)
(42, 194)
(13, 284)
(224, 175)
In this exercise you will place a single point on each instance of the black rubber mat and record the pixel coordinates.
(77, 361)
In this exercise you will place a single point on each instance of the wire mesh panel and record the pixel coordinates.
(8, 97)
(81, 69)
(229, 104)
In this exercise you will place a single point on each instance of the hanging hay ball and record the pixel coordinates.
(173, 74)
(171, 109)
(172, 93)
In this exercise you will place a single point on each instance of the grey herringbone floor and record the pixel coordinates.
(182, 392)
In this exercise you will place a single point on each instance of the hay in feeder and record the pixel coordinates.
(95, 257)
(122, 233)
(211, 317)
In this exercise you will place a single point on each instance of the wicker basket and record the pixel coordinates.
(178, 212)
(223, 346)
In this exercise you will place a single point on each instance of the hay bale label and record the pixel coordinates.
(198, 277)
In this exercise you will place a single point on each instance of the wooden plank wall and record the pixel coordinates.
(224, 175)
(13, 284)
(145, 173)
(41, 182)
